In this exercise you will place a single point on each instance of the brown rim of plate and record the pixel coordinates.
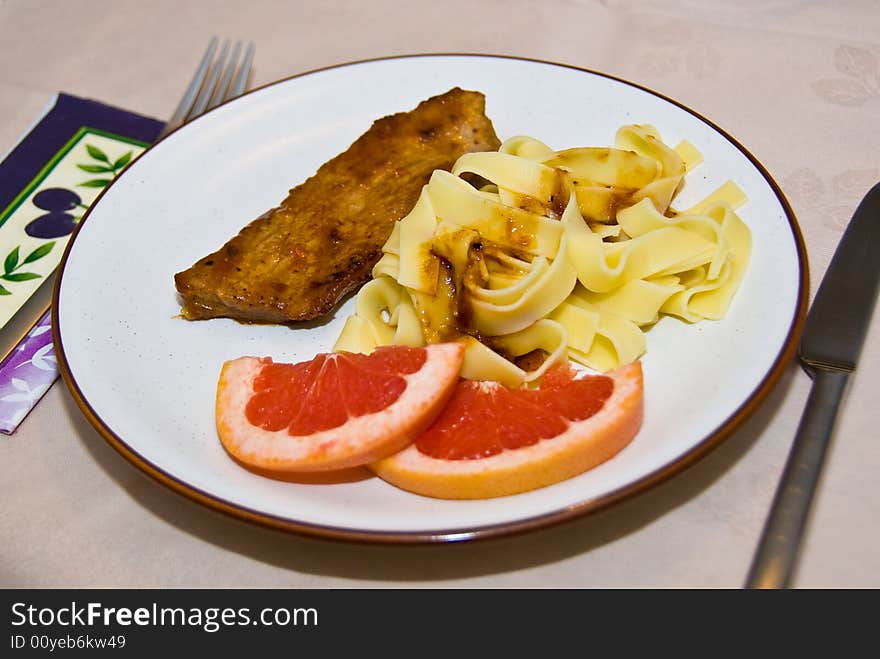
(567, 513)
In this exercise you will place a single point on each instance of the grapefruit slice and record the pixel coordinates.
(491, 441)
(338, 410)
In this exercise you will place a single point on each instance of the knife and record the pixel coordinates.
(832, 339)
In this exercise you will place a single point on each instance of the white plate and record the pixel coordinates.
(146, 379)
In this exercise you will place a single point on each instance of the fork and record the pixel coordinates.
(208, 88)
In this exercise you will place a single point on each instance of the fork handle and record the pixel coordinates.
(774, 560)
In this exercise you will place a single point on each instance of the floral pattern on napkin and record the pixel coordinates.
(26, 374)
(36, 226)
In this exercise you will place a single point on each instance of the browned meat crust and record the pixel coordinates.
(296, 261)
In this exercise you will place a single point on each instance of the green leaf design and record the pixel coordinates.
(39, 252)
(95, 183)
(123, 160)
(96, 169)
(96, 153)
(21, 276)
(3, 291)
(11, 261)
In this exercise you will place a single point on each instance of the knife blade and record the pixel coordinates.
(832, 340)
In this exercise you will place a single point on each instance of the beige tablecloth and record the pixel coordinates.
(797, 82)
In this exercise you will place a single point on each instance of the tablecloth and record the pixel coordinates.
(798, 83)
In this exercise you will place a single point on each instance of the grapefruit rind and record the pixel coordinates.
(584, 445)
(359, 441)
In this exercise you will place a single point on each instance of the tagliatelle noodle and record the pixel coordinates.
(384, 316)
(511, 173)
(484, 363)
(573, 253)
(616, 339)
(515, 307)
(708, 296)
(417, 268)
(528, 147)
(645, 141)
(638, 300)
(456, 201)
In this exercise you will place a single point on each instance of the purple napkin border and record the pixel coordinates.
(31, 368)
(57, 126)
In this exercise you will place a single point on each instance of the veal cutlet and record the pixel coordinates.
(296, 261)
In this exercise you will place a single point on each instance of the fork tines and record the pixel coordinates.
(215, 81)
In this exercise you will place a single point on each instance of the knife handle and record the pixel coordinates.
(774, 560)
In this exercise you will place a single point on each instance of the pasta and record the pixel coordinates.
(570, 254)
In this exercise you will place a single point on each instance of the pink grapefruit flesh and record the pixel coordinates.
(492, 441)
(336, 411)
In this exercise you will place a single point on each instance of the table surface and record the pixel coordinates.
(797, 82)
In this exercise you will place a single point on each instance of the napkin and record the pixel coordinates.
(74, 149)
